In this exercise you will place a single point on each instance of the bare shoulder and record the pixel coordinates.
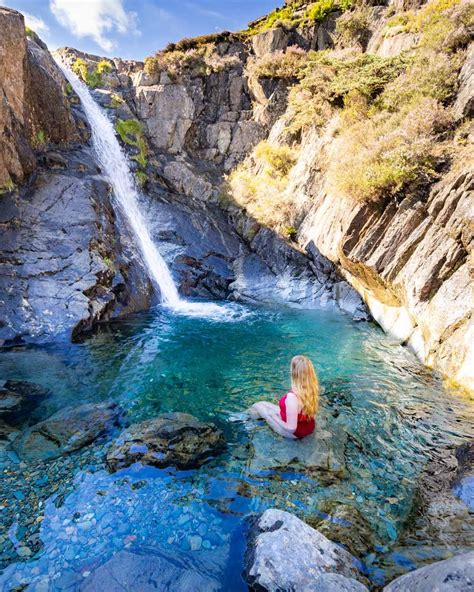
(291, 398)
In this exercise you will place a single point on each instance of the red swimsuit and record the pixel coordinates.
(305, 425)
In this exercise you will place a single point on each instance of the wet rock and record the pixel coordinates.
(442, 512)
(330, 582)
(323, 450)
(18, 398)
(345, 525)
(171, 439)
(451, 575)
(149, 572)
(284, 553)
(67, 430)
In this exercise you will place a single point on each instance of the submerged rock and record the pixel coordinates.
(147, 573)
(18, 398)
(321, 451)
(67, 430)
(451, 575)
(171, 439)
(345, 525)
(284, 553)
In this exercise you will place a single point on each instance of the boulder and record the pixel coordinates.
(171, 439)
(269, 41)
(322, 451)
(67, 430)
(330, 582)
(148, 573)
(18, 398)
(451, 575)
(284, 553)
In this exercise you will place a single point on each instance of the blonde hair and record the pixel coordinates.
(304, 383)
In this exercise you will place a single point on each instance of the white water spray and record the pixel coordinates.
(116, 167)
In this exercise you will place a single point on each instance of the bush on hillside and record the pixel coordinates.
(279, 64)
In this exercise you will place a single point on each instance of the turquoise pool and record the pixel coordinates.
(72, 514)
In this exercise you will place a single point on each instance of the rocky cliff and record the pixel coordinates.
(327, 146)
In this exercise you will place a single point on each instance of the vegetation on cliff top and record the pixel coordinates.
(394, 121)
(200, 60)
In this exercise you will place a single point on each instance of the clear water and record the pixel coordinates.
(157, 362)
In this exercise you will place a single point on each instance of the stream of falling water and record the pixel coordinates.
(115, 166)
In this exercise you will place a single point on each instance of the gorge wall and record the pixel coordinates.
(239, 198)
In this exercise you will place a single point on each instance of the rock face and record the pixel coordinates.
(33, 107)
(171, 439)
(64, 264)
(451, 575)
(148, 572)
(284, 553)
(66, 431)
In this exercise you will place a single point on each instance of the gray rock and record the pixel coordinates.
(451, 575)
(285, 554)
(171, 439)
(168, 111)
(330, 582)
(149, 572)
(269, 41)
(464, 104)
(18, 398)
(321, 451)
(67, 430)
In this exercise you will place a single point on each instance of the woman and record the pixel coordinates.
(294, 416)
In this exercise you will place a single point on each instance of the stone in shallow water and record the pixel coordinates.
(284, 553)
(321, 451)
(171, 439)
(345, 525)
(452, 575)
(330, 582)
(18, 398)
(66, 431)
(149, 573)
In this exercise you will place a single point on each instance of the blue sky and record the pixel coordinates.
(134, 28)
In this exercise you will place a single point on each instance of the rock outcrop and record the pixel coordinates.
(284, 553)
(171, 439)
(148, 572)
(66, 431)
(450, 575)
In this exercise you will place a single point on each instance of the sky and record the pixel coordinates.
(133, 29)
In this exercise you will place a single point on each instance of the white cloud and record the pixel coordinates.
(94, 18)
(37, 24)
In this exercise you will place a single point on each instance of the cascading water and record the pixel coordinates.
(116, 167)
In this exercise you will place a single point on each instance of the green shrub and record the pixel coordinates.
(258, 184)
(279, 64)
(279, 159)
(91, 77)
(142, 178)
(352, 27)
(7, 187)
(326, 80)
(131, 133)
(40, 139)
(317, 11)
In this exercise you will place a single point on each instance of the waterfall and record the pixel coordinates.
(115, 166)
